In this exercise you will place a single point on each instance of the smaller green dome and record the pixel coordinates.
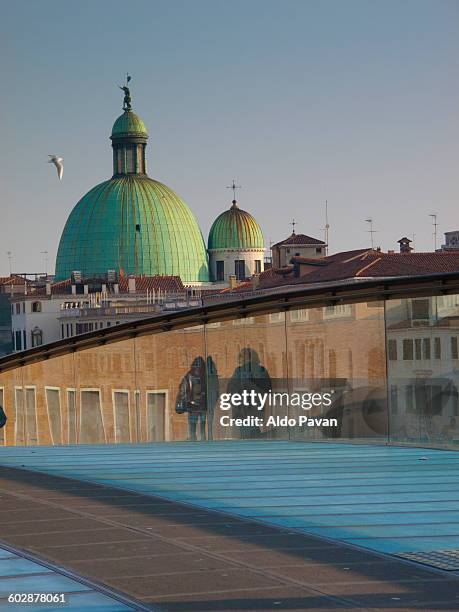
(129, 124)
(235, 229)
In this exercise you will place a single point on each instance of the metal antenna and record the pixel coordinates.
(371, 231)
(412, 239)
(233, 186)
(293, 223)
(10, 257)
(327, 227)
(45, 253)
(434, 223)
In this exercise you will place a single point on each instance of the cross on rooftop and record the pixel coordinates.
(233, 186)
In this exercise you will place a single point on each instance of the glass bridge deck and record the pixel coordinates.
(388, 499)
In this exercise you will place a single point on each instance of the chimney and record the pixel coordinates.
(405, 245)
(48, 288)
(131, 285)
(73, 289)
(255, 281)
(232, 281)
(116, 288)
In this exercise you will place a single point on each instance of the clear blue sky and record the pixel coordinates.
(300, 101)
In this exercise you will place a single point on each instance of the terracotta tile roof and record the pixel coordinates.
(299, 239)
(12, 280)
(362, 263)
(371, 264)
(60, 286)
(171, 284)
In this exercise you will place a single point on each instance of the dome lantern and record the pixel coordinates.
(129, 140)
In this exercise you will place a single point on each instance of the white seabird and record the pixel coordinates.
(58, 162)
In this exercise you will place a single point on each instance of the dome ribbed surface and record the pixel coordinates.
(235, 229)
(134, 224)
(129, 124)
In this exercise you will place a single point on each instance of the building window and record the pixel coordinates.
(437, 348)
(407, 349)
(337, 311)
(18, 341)
(24, 339)
(121, 413)
(409, 398)
(392, 350)
(71, 407)
(454, 352)
(220, 270)
(53, 403)
(394, 399)
(302, 314)
(140, 168)
(36, 306)
(420, 310)
(18, 308)
(257, 266)
(418, 349)
(243, 321)
(92, 429)
(239, 269)
(426, 348)
(318, 250)
(130, 160)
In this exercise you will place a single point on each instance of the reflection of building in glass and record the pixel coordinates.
(392, 364)
(423, 367)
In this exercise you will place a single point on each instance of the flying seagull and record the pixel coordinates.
(58, 162)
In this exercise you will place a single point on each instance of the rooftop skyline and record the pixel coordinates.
(300, 102)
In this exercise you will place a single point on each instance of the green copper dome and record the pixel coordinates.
(129, 124)
(131, 223)
(136, 225)
(235, 229)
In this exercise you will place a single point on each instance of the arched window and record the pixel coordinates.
(36, 306)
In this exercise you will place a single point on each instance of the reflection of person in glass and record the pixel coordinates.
(192, 398)
(213, 393)
(249, 376)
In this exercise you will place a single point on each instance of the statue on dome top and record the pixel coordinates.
(127, 94)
